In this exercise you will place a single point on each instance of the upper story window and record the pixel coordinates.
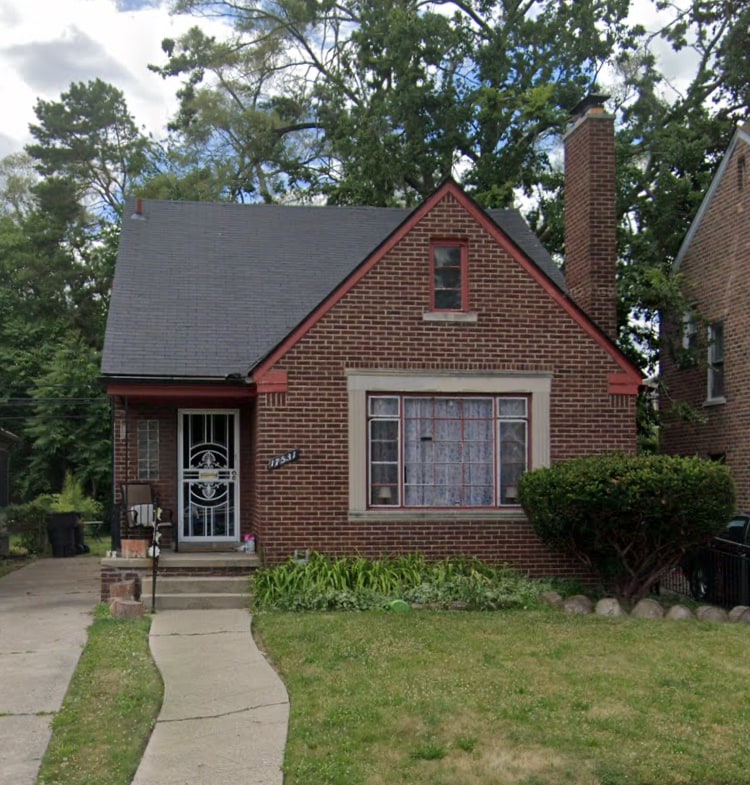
(741, 173)
(449, 283)
(446, 451)
(689, 332)
(148, 449)
(716, 361)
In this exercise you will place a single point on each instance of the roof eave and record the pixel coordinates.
(741, 134)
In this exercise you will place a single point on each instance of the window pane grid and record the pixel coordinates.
(447, 452)
(384, 455)
(716, 360)
(448, 274)
(148, 449)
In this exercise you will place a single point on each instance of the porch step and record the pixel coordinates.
(197, 592)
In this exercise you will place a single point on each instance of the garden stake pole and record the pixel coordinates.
(155, 539)
(154, 564)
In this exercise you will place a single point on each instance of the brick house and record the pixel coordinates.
(367, 380)
(706, 362)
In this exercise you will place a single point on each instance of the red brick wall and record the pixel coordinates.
(379, 325)
(590, 219)
(716, 270)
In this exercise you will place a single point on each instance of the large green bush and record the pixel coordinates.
(629, 517)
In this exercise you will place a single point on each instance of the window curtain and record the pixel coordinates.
(448, 452)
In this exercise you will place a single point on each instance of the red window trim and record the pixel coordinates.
(463, 246)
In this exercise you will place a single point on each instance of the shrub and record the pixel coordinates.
(29, 522)
(73, 499)
(630, 517)
(356, 583)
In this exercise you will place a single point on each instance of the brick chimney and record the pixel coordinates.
(590, 214)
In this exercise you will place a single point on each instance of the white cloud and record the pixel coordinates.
(47, 44)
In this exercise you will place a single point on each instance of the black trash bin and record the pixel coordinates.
(65, 533)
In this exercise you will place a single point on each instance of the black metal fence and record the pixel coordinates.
(714, 575)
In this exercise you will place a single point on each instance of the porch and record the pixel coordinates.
(184, 580)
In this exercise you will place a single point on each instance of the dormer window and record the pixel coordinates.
(449, 284)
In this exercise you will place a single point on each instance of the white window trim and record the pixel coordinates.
(360, 382)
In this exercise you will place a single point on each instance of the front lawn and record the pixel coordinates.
(511, 698)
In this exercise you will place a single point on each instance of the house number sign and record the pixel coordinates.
(283, 460)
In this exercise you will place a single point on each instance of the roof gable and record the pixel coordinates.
(741, 136)
(204, 290)
(547, 278)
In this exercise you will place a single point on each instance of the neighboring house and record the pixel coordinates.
(367, 380)
(706, 361)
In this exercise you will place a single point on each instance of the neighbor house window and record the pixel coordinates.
(446, 451)
(689, 332)
(449, 284)
(741, 173)
(148, 449)
(716, 361)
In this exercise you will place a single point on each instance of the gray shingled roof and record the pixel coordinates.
(203, 290)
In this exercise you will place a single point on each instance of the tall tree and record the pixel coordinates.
(58, 236)
(89, 138)
(69, 424)
(377, 101)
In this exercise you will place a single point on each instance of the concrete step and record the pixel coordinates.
(194, 602)
(197, 592)
(198, 584)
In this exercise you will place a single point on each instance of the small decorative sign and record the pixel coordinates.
(208, 475)
(283, 460)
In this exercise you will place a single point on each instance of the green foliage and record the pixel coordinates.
(29, 522)
(89, 138)
(356, 583)
(630, 517)
(69, 420)
(72, 498)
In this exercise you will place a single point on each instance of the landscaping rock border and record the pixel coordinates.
(646, 608)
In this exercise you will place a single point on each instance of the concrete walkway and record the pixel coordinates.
(45, 610)
(225, 712)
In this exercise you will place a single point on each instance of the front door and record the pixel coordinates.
(208, 475)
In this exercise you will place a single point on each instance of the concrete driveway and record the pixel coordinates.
(45, 609)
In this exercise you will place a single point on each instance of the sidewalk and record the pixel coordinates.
(225, 712)
(45, 610)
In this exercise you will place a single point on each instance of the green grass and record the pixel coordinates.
(510, 698)
(110, 708)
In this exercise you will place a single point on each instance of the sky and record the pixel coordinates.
(47, 44)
